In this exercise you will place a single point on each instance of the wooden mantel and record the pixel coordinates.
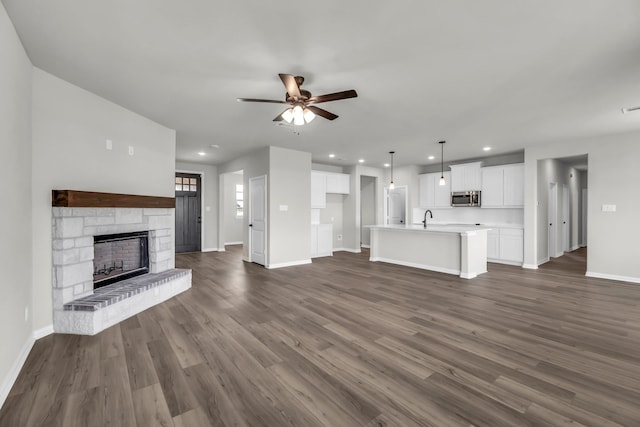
(90, 199)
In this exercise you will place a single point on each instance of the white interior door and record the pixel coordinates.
(584, 217)
(397, 205)
(258, 219)
(553, 215)
(566, 219)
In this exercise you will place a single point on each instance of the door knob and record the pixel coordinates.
(250, 225)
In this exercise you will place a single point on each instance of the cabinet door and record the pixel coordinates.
(442, 198)
(472, 177)
(426, 188)
(511, 244)
(337, 183)
(345, 183)
(318, 190)
(493, 244)
(514, 185)
(492, 183)
(325, 239)
(457, 178)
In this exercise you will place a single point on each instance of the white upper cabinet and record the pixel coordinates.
(318, 189)
(432, 194)
(338, 183)
(466, 177)
(492, 187)
(514, 185)
(503, 186)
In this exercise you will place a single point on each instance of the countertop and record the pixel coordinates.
(433, 228)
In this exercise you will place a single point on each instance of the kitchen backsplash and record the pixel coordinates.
(461, 215)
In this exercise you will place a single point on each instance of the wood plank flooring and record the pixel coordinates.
(346, 342)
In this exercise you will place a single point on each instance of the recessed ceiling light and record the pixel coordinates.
(431, 157)
(201, 153)
(214, 146)
(361, 161)
(486, 148)
(386, 165)
(332, 155)
(628, 110)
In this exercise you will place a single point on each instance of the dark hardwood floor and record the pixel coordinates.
(346, 342)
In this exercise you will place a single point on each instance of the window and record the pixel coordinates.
(186, 184)
(239, 200)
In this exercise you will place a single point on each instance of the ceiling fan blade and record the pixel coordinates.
(333, 96)
(323, 113)
(290, 83)
(273, 101)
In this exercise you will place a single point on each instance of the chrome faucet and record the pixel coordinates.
(424, 221)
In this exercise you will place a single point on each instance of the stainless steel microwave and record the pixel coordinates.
(465, 198)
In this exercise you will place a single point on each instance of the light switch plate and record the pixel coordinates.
(131, 150)
(609, 208)
(284, 208)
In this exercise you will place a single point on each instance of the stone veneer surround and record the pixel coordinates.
(72, 250)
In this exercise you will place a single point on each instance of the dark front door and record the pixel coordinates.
(188, 189)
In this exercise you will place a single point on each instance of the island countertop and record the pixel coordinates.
(435, 228)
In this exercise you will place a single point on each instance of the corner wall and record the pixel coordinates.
(16, 332)
(613, 175)
(70, 128)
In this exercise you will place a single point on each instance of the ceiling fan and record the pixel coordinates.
(302, 108)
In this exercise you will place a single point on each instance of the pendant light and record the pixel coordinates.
(391, 184)
(442, 181)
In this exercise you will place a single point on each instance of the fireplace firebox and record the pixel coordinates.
(118, 257)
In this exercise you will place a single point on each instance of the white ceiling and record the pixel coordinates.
(503, 73)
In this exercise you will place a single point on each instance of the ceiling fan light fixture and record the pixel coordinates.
(308, 115)
(298, 115)
(288, 115)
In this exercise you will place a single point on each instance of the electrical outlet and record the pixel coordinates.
(26, 313)
(109, 144)
(131, 150)
(339, 236)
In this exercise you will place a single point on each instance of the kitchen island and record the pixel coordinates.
(452, 249)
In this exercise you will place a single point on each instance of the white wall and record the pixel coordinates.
(209, 201)
(232, 223)
(289, 185)
(613, 175)
(15, 217)
(70, 126)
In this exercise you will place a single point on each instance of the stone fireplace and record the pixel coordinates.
(97, 252)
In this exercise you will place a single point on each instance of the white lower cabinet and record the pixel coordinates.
(321, 240)
(505, 245)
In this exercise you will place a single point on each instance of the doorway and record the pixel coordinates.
(553, 216)
(566, 219)
(396, 205)
(367, 208)
(188, 187)
(258, 219)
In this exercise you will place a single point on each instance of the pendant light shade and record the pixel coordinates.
(442, 181)
(391, 184)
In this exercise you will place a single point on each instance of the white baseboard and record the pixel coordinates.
(416, 265)
(573, 248)
(505, 262)
(365, 246)
(612, 277)
(43, 332)
(13, 373)
(289, 264)
(210, 250)
(355, 251)
(530, 266)
(234, 243)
